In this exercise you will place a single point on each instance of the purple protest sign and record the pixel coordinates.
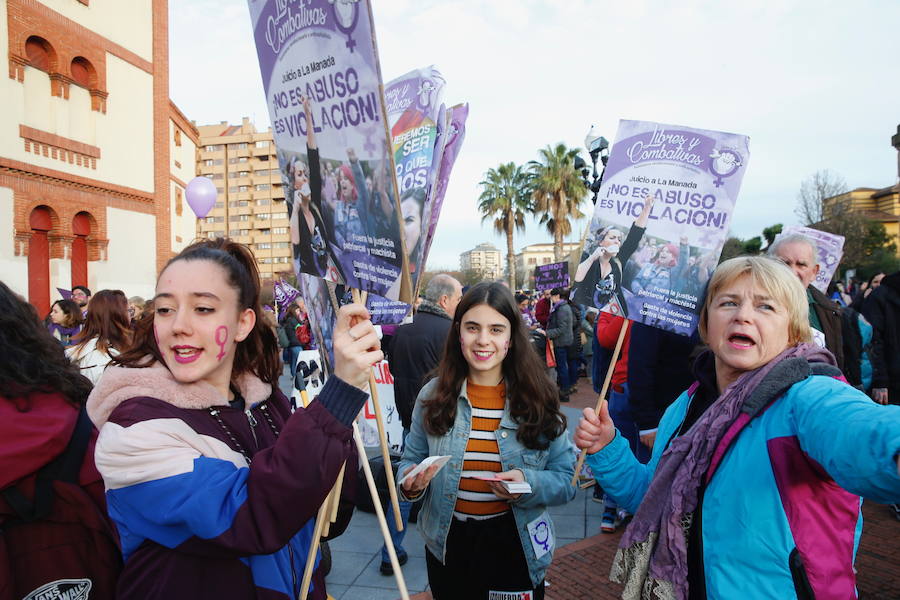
(660, 222)
(322, 80)
(553, 275)
(830, 249)
(453, 137)
(386, 312)
(413, 103)
(284, 293)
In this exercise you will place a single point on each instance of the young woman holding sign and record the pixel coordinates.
(493, 410)
(213, 484)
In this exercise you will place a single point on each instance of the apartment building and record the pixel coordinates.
(243, 164)
(484, 258)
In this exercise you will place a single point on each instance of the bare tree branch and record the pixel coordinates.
(813, 192)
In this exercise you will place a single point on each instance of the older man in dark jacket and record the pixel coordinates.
(415, 351)
(800, 254)
(417, 347)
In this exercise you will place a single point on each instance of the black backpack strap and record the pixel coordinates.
(64, 467)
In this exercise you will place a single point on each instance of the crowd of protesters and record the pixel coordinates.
(213, 479)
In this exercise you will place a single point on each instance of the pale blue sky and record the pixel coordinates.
(814, 84)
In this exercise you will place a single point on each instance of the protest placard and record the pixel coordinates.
(413, 104)
(450, 138)
(310, 370)
(649, 260)
(552, 275)
(392, 425)
(322, 316)
(453, 136)
(322, 82)
(830, 249)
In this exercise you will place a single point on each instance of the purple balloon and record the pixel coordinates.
(201, 195)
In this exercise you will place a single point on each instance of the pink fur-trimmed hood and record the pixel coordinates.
(156, 381)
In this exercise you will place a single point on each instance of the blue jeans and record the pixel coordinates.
(574, 366)
(397, 536)
(562, 367)
(293, 353)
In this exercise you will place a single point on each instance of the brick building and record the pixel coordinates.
(251, 209)
(94, 157)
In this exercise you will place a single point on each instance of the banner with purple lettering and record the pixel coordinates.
(413, 103)
(453, 136)
(660, 222)
(451, 133)
(322, 81)
(553, 275)
(830, 248)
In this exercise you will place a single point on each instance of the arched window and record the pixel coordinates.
(83, 72)
(40, 222)
(39, 52)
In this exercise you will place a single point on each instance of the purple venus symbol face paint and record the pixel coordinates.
(221, 338)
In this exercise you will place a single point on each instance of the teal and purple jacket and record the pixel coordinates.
(780, 512)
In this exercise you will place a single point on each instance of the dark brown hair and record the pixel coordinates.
(107, 320)
(72, 311)
(33, 360)
(258, 352)
(532, 400)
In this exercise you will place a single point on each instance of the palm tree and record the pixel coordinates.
(557, 191)
(505, 197)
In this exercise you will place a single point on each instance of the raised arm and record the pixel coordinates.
(310, 128)
(584, 266)
(642, 219)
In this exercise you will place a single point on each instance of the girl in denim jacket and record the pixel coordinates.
(493, 410)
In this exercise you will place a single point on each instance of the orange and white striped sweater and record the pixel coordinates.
(482, 456)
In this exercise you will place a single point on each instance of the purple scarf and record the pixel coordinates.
(652, 556)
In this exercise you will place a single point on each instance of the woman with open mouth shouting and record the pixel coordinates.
(753, 489)
(213, 484)
(495, 413)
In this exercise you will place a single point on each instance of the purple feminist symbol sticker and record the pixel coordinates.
(346, 14)
(723, 163)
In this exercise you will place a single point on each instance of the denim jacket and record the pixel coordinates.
(548, 471)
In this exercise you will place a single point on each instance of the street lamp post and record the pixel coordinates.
(598, 147)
